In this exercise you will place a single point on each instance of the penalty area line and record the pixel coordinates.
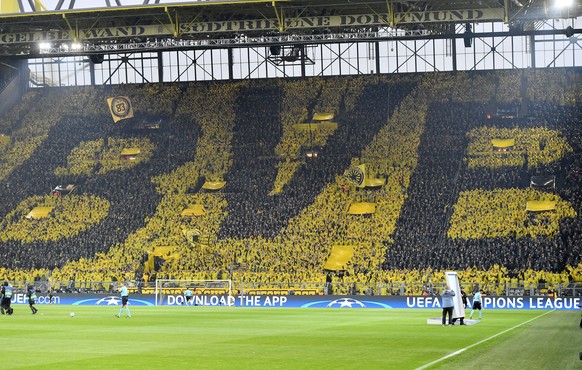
(453, 354)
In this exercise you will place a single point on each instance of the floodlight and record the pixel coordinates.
(76, 46)
(563, 3)
(44, 45)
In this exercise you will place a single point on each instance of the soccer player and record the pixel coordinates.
(188, 296)
(477, 304)
(124, 301)
(32, 299)
(6, 294)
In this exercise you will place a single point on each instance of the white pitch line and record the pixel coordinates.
(481, 341)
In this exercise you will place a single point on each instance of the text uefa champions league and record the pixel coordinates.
(311, 301)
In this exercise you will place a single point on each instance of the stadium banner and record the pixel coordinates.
(210, 26)
(304, 301)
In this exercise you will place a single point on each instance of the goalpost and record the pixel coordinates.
(171, 292)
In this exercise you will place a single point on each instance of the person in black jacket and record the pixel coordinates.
(31, 294)
(6, 294)
(464, 298)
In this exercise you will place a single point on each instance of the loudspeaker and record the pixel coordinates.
(96, 58)
(468, 36)
(275, 49)
(468, 40)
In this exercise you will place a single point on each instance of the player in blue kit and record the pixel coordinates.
(188, 297)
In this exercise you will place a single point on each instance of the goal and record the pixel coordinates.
(170, 292)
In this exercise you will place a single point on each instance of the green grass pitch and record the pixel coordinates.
(291, 338)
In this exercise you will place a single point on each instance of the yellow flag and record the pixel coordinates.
(503, 143)
(120, 108)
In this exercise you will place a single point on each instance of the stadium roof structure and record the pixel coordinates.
(69, 28)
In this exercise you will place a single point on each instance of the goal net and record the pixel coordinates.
(172, 292)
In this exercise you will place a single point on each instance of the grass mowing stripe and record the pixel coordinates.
(450, 355)
(277, 338)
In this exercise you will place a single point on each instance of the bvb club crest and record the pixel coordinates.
(357, 175)
(120, 107)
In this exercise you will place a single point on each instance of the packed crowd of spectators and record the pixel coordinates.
(130, 194)
(533, 147)
(413, 131)
(446, 129)
(502, 213)
(97, 157)
(67, 216)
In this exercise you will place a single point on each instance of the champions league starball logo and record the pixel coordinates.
(109, 301)
(346, 303)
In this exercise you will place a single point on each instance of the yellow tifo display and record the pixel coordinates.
(339, 257)
(194, 210)
(362, 208)
(214, 185)
(323, 116)
(540, 205)
(130, 151)
(39, 212)
(374, 183)
(315, 126)
(55, 217)
(166, 252)
(534, 147)
(4, 140)
(507, 212)
(362, 179)
(503, 143)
